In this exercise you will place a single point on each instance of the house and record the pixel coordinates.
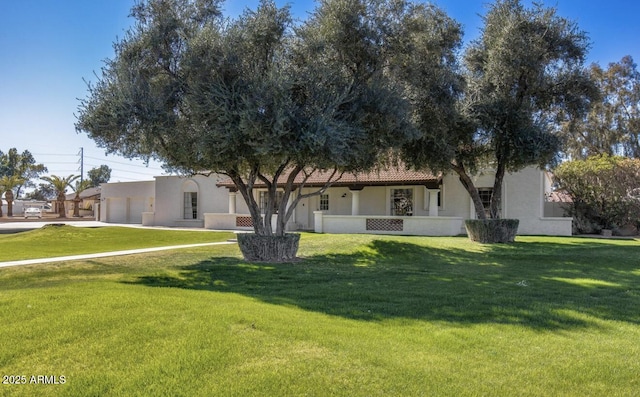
(89, 198)
(394, 201)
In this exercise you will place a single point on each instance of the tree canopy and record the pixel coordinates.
(521, 78)
(604, 191)
(99, 175)
(21, 165)
(612, 125)
(259, 97)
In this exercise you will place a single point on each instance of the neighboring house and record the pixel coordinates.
(395, 201)
(89, 199)
(20, 205)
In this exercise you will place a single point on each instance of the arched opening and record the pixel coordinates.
(190, 200)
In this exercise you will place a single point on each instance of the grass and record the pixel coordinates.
(52, 241)
(359, 316)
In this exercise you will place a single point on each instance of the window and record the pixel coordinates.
(190, 205)
(324, 202)
(401, 202)
(485, 197)
(263, 201)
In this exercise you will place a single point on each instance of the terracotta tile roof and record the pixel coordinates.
(558, 197)
(391, 176)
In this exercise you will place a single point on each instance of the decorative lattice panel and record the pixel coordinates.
(244, 221)
(385, 224)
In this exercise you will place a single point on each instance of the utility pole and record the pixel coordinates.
(81, 154)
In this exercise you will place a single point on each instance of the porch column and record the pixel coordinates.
(355, 202)
(433, 201)
(232, 202)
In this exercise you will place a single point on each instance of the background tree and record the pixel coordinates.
(43, 192)
(522, 74)
(612, 125)
(8, 184)
(99, 175)
(22, 165)
(78, 188)
(604, 192)
(255, 98)
(60, 185)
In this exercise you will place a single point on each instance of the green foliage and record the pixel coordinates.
(612, 124)
(522, 77)
(44, 192)
(489, 231)
(7, 184)
(258, 98)
(22, 165)
(60, 185)
(603, 190)
(99, 175)
(361, 316)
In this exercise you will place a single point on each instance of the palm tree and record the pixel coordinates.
(7, 184)
(60, 185)
(79, 188)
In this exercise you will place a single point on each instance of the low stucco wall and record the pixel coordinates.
(558, 226)
(409, 225)
(427, 226)
(222, 221)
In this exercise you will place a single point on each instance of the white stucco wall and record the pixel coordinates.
(161, 202)
(124, 202)
(169, 208)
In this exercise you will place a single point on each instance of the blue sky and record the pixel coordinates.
(49, 48)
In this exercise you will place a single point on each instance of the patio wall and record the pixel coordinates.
(408, 225)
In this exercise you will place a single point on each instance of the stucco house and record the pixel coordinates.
(88, 200)
(394, 201)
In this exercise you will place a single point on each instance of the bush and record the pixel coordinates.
(490, 231)
(603, 192)
(257, 248)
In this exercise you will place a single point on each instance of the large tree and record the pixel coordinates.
(604, 191)
(522, 77)
(255, 98)
(78, 188)
(99, 175)
(612, 125)
(60, 185)
(23, 166)
(7, 185)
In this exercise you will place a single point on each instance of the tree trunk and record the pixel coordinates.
(9, 197)
(496, 196)
(61, 198)
(489, 231)
(256, 248)
(467, 182)
(76, 207)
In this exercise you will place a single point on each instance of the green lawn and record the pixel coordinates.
(51, 241)
(359, 316)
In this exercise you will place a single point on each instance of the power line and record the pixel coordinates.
(123, 163)
(94, 158)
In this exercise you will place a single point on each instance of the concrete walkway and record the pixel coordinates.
(105, 254)
(13, 227)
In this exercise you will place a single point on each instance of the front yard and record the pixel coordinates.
(360, 315)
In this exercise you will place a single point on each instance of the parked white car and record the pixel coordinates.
(32, 212)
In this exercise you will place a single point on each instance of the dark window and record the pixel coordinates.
(402, 202)
(276, 204)
(190, 205)
(324, 202)
(485, 197)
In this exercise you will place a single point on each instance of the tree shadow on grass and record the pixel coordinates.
(543, 286)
